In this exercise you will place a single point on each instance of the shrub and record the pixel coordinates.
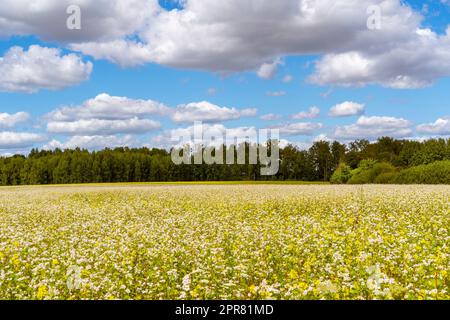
(386, 178)
(367, 164)
(383, 167)
(361, 176)
(341, 175)
(434, 173)
(369, 170)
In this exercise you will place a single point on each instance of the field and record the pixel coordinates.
(225, 242)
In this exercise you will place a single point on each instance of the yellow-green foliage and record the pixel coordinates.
(369, 171)
(225, 242)
(433, 173)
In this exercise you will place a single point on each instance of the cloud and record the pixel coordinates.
(106, 115)
(270, 117)
(347, 109)
(268, 70)
(375, 127)
(212, 91)
(103, 127)
(440, 127)
(17, 140)
(8, 121)
(313, 112)
(222, 39)
(322, 137)
(299, 128)
(100, 19)
(417, 63)
(235, 35)
(107, 107)
(327, 93)
(125, 53)
(40, 68)
(276, 93)
(181, 136)
(250, 112)
(91, 142)
(7, 154)
(288, 78)
(208, 112)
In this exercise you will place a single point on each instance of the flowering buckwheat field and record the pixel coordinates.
(225, 242)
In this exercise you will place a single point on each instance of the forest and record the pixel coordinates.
(387, 160)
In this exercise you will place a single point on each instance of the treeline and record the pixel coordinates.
(398, 162)
(322, 162)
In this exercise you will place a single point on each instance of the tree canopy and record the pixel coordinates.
(318, 163)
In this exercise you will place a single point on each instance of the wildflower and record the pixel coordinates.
(42, 292)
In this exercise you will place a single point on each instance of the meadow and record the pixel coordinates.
(229, 241)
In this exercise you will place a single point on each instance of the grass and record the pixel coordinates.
(180, 183)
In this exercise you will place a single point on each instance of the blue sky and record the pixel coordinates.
(415, 107)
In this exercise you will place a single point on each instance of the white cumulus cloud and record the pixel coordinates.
(11, 120)
(375, 127)
(440, 127)
(100, 19)
(106, 115)
(347, 109)
(107, 107)
(208, 112)
(91, 142)
(125, 53)
(270, 117)
(313, 112)
(288, 78)
(17, 140)
(194, 135)
(268, 70)
(39, 68)
(416, 63)
(240, 35)
(299, 128)
(103, 127)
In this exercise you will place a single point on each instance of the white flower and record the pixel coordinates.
(186, 283)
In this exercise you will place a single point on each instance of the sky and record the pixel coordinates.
(136, 72)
